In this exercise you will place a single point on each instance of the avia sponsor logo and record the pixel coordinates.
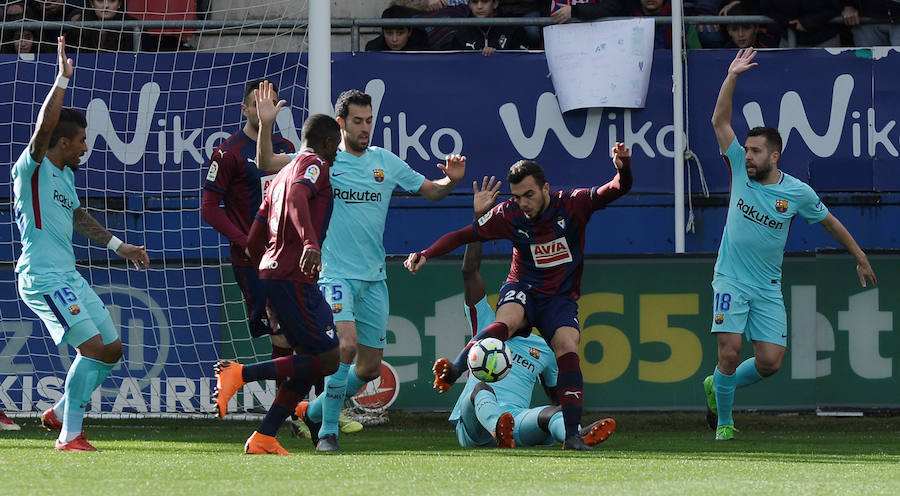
(523, 362)
(551, 253)
(353, 196)
(65, 202)
(751, 214)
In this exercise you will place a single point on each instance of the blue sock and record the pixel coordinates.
(487, 410)
(724, 386)
(81, 380)
(333, 400)
(746, 373)
(59, 408)
(354, 383)
(314, 410)
(558, 427)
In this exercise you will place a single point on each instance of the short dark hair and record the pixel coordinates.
(351, 97)
(254, 85)
(772, 136)
(70, 122)
(524, 168)
(318, 127)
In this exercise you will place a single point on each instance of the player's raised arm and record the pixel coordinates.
(48, 117)
(721, 119)
(454, 170)
(840, 233)
(621, 184)
(267, 110)
(88, 227)
(483, 200)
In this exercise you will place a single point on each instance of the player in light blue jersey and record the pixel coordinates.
(498, 413)
(747, 281)
(47, 210)
(353, 258)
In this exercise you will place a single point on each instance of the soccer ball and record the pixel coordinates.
(489, 360)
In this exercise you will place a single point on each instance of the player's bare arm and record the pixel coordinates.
(483, 200)
(267, 109)
(721, 119)
(87, 226)
(454, 170)
(837, 230)
(48, 117)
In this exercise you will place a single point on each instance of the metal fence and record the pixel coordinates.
(355, 25)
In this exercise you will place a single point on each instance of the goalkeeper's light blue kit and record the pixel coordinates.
(531, 358)
(747, 281)
(45, 202)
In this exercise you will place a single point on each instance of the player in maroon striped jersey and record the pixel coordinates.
(547, 230)
(285, 241)
(235, 180)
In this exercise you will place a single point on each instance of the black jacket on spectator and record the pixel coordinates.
(70, 11)
(812, 14)
(418, 41)
(598, 9)
(91, 40)
(499, 37)
(878, 9)
(518, 8)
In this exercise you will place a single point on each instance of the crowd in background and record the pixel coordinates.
(811, 22)
(90, 40)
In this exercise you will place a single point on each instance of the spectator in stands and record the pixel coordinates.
(488, 39)
(53, 11)
(398, 38)
(112, 39)
(868, 35)
(527, 8)
(807, 18)
(439, 37)
(440, 4)
(654, 8)
(19, 41)
(747, 35)
(563, 10)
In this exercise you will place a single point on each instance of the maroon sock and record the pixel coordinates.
(570, 389)
(278, 352)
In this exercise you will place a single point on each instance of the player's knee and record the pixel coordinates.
(368, 375)
(329, 361)
(767, 367)
(481, 386)
(728, 358)
(112, 352)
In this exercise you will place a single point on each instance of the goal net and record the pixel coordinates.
(158, 102)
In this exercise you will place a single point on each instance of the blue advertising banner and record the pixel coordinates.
(154, 119)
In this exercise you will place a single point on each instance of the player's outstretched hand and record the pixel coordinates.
(455, 168)
(621, 155)
(743, 61)
(310, 260)
(414, 262)
(66, 66)
(485, 198)
(266, 105)
(136, 254)
(865, 272)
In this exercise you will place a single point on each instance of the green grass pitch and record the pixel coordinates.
(417, 454)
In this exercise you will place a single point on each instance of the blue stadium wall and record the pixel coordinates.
(151, 145)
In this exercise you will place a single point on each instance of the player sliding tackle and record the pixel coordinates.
(499, 414)
(547, 231)
(47, 210)
(747, 280)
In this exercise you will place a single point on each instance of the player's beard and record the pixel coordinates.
(355, 146)
(761, 171)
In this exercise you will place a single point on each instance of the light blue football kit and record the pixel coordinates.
(45, 202)
(531, 358)
(747, 281)
(746, 284)
(353, 260)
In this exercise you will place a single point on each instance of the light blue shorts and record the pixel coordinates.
(71, 310)
(756, 313)
(363, 302)
(526, 432)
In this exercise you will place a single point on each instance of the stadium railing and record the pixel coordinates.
(355, 25)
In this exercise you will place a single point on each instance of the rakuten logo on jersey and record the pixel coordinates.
(753, 215)
(552, 253)
(353, 196)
